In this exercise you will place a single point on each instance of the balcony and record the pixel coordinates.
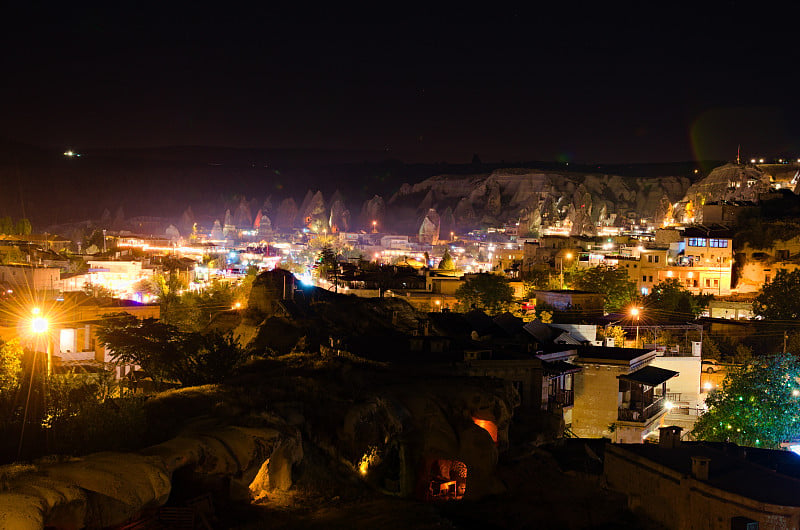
(560, 399)
(640, 412)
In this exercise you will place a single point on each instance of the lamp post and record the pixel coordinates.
(635, 314)
(568, 255)
(39, 326)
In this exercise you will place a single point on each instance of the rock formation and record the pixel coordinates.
(730, 182)
(172, 233)
(287, 214)
(315, 215)
(186, 224)
(242, 217)
(509, 194)
(216, 231)
(429, 228)
(340, 217)
(373, 210)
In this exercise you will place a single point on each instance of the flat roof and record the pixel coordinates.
(764, 475)
(613, 353)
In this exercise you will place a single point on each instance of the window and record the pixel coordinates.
(649, 259)
(716, 283)
(698, 242)
(655, 259)
(651, 279)
(708, 282)
(644, 278)
(718, 243)
(695, 283)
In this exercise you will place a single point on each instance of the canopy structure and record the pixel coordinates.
(649, 375)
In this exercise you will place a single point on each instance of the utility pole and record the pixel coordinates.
(785, 338)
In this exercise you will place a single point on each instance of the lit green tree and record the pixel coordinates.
(489, 292)
(670, 301)
(780, 298)
(327, 261)
(618, 291)
(757, 405)
(447, 263)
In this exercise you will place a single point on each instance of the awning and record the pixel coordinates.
(649, 375)
(560, 367)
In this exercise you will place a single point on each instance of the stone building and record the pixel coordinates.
(618, 394)
(693, 485)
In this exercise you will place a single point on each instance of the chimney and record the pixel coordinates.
(700, 465)
(669, 437)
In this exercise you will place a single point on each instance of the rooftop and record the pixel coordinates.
(610, 353)
(763, 475)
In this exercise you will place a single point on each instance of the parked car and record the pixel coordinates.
(711, 366)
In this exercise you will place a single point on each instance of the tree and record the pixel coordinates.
(618, 291)
(539, 279)
(757, 405)
(489, 292)
(670, 301)
(615, 332)
(168, 354)
(327, 261)
(10, 366)
(447, 263)
(23, 227)
(780, 298)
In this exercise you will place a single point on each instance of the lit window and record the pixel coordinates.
(697, 241)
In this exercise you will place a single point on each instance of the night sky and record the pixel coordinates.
(589, 84)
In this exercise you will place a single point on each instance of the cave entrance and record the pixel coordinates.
(488, 426)
(446, 480)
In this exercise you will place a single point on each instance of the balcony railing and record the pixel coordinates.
(561, 398)
(639, 414)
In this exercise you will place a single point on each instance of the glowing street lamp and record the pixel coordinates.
(635, 314)
(374, 227)
(39, 327)
(568, 255)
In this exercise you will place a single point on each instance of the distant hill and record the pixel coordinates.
(51, 188)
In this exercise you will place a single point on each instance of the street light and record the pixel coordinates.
(568, 255)
(39, 326)
(635, 314)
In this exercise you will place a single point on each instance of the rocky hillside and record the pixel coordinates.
(534, 198)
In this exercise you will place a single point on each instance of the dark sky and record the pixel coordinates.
(599, 83)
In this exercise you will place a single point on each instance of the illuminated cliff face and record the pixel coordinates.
(537, 198)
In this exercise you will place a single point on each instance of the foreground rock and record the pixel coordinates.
(107, 489)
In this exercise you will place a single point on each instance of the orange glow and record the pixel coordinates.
(488, 426)
(445, 480)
